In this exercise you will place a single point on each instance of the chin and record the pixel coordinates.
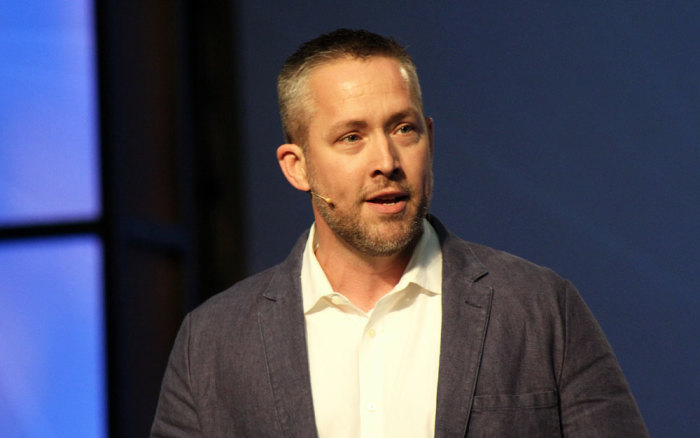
(393, 238)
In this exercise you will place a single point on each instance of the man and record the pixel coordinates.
(380, 322)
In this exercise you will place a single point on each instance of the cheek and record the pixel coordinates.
(422, 170)
(339, 179)
(427, 181)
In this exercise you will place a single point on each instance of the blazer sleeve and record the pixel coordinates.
(595, 399)
(176, 414)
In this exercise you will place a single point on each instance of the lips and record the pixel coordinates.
(388, 202)
(388, 198)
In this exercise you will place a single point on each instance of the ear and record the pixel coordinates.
(429, 127)
(293, 165)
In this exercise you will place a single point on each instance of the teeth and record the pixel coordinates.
(387, 201)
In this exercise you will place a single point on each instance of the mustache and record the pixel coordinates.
(387, 184)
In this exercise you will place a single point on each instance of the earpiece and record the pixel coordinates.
(328, 201)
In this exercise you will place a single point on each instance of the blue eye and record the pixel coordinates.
(405, 129)
(352, 138)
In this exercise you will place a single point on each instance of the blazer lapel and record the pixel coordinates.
(466, 306)
(282, 328)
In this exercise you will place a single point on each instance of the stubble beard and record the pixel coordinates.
(388, 236)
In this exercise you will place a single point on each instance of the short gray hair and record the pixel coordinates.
(292, 83)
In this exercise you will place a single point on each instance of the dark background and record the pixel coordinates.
(566, 132)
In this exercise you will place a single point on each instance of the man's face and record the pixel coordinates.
(369, 150)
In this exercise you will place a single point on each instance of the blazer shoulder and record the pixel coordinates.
(237, 298)
(491, 267)
(241, 303)
(511, 274)
(498, 260)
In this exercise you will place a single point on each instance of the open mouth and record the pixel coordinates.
(388, 199)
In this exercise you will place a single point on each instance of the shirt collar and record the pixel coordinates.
(424, 269)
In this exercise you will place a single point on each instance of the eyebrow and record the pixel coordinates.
(402, 115)
(348, 124)
(360, 124)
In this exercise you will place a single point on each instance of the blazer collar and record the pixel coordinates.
(466, 306)
(283, 332)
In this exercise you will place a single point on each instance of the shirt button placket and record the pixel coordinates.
(371, 382)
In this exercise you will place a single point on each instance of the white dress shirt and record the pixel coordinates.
(375, 374)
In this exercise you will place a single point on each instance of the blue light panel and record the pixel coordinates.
(52, 366)
(51, 339)
(48, 115)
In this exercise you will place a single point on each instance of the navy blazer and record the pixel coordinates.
(521, 356)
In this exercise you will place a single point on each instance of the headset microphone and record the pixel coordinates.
(326, 200)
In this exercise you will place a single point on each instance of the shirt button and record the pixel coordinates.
(372, 333)
(371, 407)
(335, 299)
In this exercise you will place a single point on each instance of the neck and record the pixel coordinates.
(362, 278)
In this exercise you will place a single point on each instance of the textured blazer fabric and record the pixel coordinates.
(521, 356)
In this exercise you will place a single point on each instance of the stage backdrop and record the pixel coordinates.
(565, 132)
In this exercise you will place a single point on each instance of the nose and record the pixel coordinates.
(386, 159)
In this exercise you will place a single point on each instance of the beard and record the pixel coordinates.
(387, 235)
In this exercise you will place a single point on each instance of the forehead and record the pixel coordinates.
(345, 81)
